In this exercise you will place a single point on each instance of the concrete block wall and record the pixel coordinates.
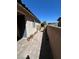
(54, 35)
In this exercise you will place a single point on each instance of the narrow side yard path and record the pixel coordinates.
(31, 47)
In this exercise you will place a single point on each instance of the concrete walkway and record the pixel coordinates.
(31, 47)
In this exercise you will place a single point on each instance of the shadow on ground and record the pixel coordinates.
(45, 52)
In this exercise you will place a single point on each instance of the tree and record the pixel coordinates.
(43, 24)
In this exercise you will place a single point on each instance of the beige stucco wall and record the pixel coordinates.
(30, 28)
(54, 35)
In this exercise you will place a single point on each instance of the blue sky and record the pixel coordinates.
(45, 10)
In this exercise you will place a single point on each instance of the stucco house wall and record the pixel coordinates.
(31, 25)
(31, 28)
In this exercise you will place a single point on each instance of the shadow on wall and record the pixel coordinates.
(20, 26)
(51, 43)
(45, 52)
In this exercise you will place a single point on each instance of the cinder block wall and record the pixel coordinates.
(54, 35)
